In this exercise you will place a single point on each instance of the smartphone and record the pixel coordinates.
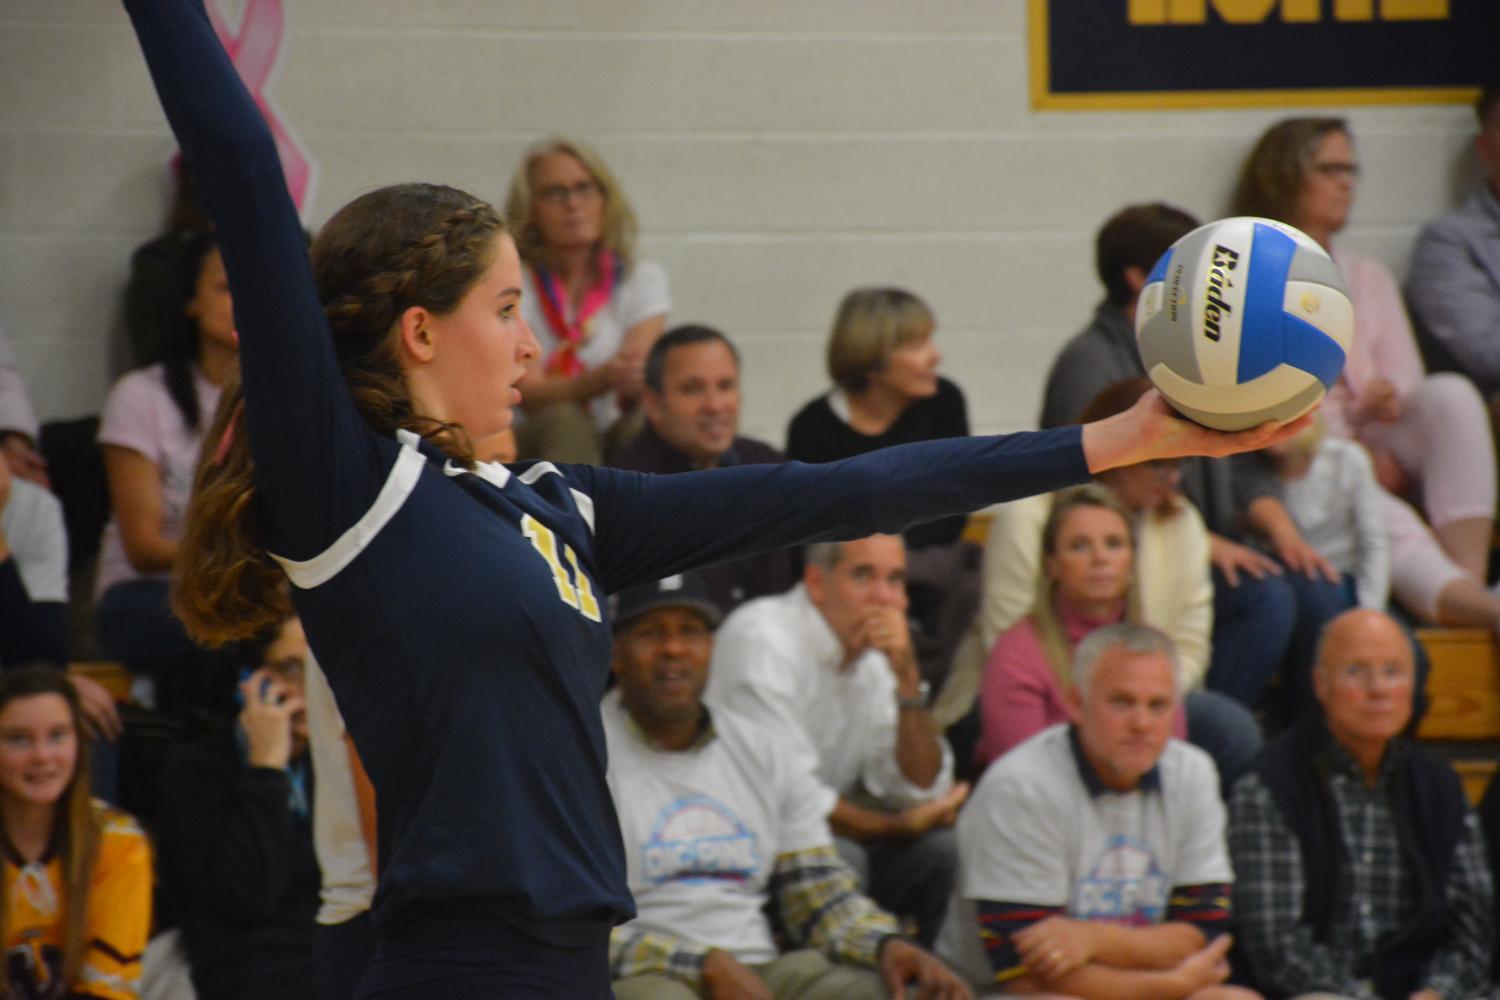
(265, 688)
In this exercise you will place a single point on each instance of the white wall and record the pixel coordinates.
(777, 153)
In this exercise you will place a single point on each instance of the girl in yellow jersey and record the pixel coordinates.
(77, 884)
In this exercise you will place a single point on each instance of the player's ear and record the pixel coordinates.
(418, 338)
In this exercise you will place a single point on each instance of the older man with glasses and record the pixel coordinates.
(1360, 868)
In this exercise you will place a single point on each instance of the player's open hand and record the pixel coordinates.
(1151, 429)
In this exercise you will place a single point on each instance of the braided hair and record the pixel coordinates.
(383, 253)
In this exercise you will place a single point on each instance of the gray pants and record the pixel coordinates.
(797, 975)
(910, 878)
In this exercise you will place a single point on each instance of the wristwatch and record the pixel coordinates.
(920, 702)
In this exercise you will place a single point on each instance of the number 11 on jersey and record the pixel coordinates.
(576, 592)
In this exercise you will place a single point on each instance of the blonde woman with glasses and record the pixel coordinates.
(595, 307)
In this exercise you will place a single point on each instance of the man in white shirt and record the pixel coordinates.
(721, 823)
(828, 666)
(1092, 855)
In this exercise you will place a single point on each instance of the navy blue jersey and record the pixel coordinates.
(460, 614)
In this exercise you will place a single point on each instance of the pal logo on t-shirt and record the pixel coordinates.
(1125, 885)
(699, 839)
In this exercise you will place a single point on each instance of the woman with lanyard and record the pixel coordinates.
(595, 307)
(456, 606)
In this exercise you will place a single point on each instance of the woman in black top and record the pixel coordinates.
(887, 391)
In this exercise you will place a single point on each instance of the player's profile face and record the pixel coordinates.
(479, 351)
(1125, 716)
(38, 749)
(697, 410)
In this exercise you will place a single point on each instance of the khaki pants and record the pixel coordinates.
(797, 975)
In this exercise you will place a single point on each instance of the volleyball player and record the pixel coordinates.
(457, 607)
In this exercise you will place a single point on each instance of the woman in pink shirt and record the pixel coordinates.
(1087, 581)
(1428, 435)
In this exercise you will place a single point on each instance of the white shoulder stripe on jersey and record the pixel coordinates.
(583, 500)
(537, 471)
(493, 473)
(331, 561)
(585, 506)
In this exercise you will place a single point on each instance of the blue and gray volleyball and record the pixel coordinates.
(1242, 321)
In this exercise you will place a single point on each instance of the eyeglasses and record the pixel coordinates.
(1365, 674)
(558, 194)
(1338, 170)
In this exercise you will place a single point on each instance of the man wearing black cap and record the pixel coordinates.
(717, 819)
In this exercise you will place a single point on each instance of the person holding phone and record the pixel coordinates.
(238, 868)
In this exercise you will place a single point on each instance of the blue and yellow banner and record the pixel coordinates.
(1108, 54)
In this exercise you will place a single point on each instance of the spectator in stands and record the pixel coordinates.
(34, 607)
(18, 426)
(1453, 285)
(343, 831)
(1083, 556)
(1429, 435)
(236, 838)
(1328, 485)
(721, 823)
(887, 391)
(33, 573)
(828, 668)
(594, 305)
(1259, 610)
(1093, 854)
(77, 883)
(692, 404)
(1361, 870)
(155, 268)
(151, 434)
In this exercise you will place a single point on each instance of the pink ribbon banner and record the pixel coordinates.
(255, 49)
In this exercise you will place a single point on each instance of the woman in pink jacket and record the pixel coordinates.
(1428, 435)
(1086, 581)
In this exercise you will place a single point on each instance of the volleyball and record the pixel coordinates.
(1242, 321)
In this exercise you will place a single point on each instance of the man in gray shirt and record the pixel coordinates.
(1453, 287)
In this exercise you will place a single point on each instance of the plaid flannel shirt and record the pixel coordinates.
(1379, 890)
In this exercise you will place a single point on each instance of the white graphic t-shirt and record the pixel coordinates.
(703, 826)
(1035, 832)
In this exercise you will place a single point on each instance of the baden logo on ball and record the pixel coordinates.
(1242, 321)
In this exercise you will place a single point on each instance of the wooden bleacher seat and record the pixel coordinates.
(1463, 693)
(113, 677)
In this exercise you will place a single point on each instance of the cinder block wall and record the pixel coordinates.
(777, 153)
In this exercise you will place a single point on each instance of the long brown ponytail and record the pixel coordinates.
(384, 252)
